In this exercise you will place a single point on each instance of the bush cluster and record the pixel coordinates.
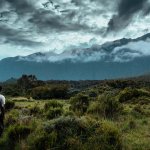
(49, 92)
(73, 133)
(80, 103)
(53, 109)
(129, 94)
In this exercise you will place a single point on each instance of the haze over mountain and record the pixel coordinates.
(121, 58)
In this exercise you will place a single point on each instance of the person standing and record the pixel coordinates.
(2, 111)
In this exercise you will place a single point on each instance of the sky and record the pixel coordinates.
(30, 26)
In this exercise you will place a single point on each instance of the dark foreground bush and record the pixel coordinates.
(55, 134)
(17, 132)
(105, 137)
(72, 133)
(13, 135)
(9, 105)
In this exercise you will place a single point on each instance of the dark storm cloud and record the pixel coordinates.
(41, 21)
(45, 20)
(126, 10)
(16, 37)
(147, 10)
(56, 23)
(21, 6)
(20, 20)
(77, 2)
(128, 7)
(8, 32)
(2, 3)
(23, 42)
(13, 35)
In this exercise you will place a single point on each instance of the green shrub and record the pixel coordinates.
(57, 133)
(13, 135)
(110, 107)
(132, 124)
(53, 113)
(41, 93)
(80, 103)
(74, 133)
(128, 94)
(105, 137)
(95, 108)
(41, 140)
(11, 117)
(69, 113)
(52, 104)
(10, 120)
(143, 100)
(35, 110)
(92, 94)
(145, 122)
(138, 111)
(74, 143)
(18, 132)
(11, 90)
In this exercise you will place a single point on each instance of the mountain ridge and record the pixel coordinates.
(120, 58)
(78, 53)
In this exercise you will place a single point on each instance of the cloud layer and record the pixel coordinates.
(28, 26)
(123, 50)
(126, 10)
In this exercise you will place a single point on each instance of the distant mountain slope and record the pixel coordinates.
(121, 58)
(145, 77)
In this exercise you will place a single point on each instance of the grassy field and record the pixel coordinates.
(109, 120)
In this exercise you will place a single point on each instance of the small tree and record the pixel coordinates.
(26, 82)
